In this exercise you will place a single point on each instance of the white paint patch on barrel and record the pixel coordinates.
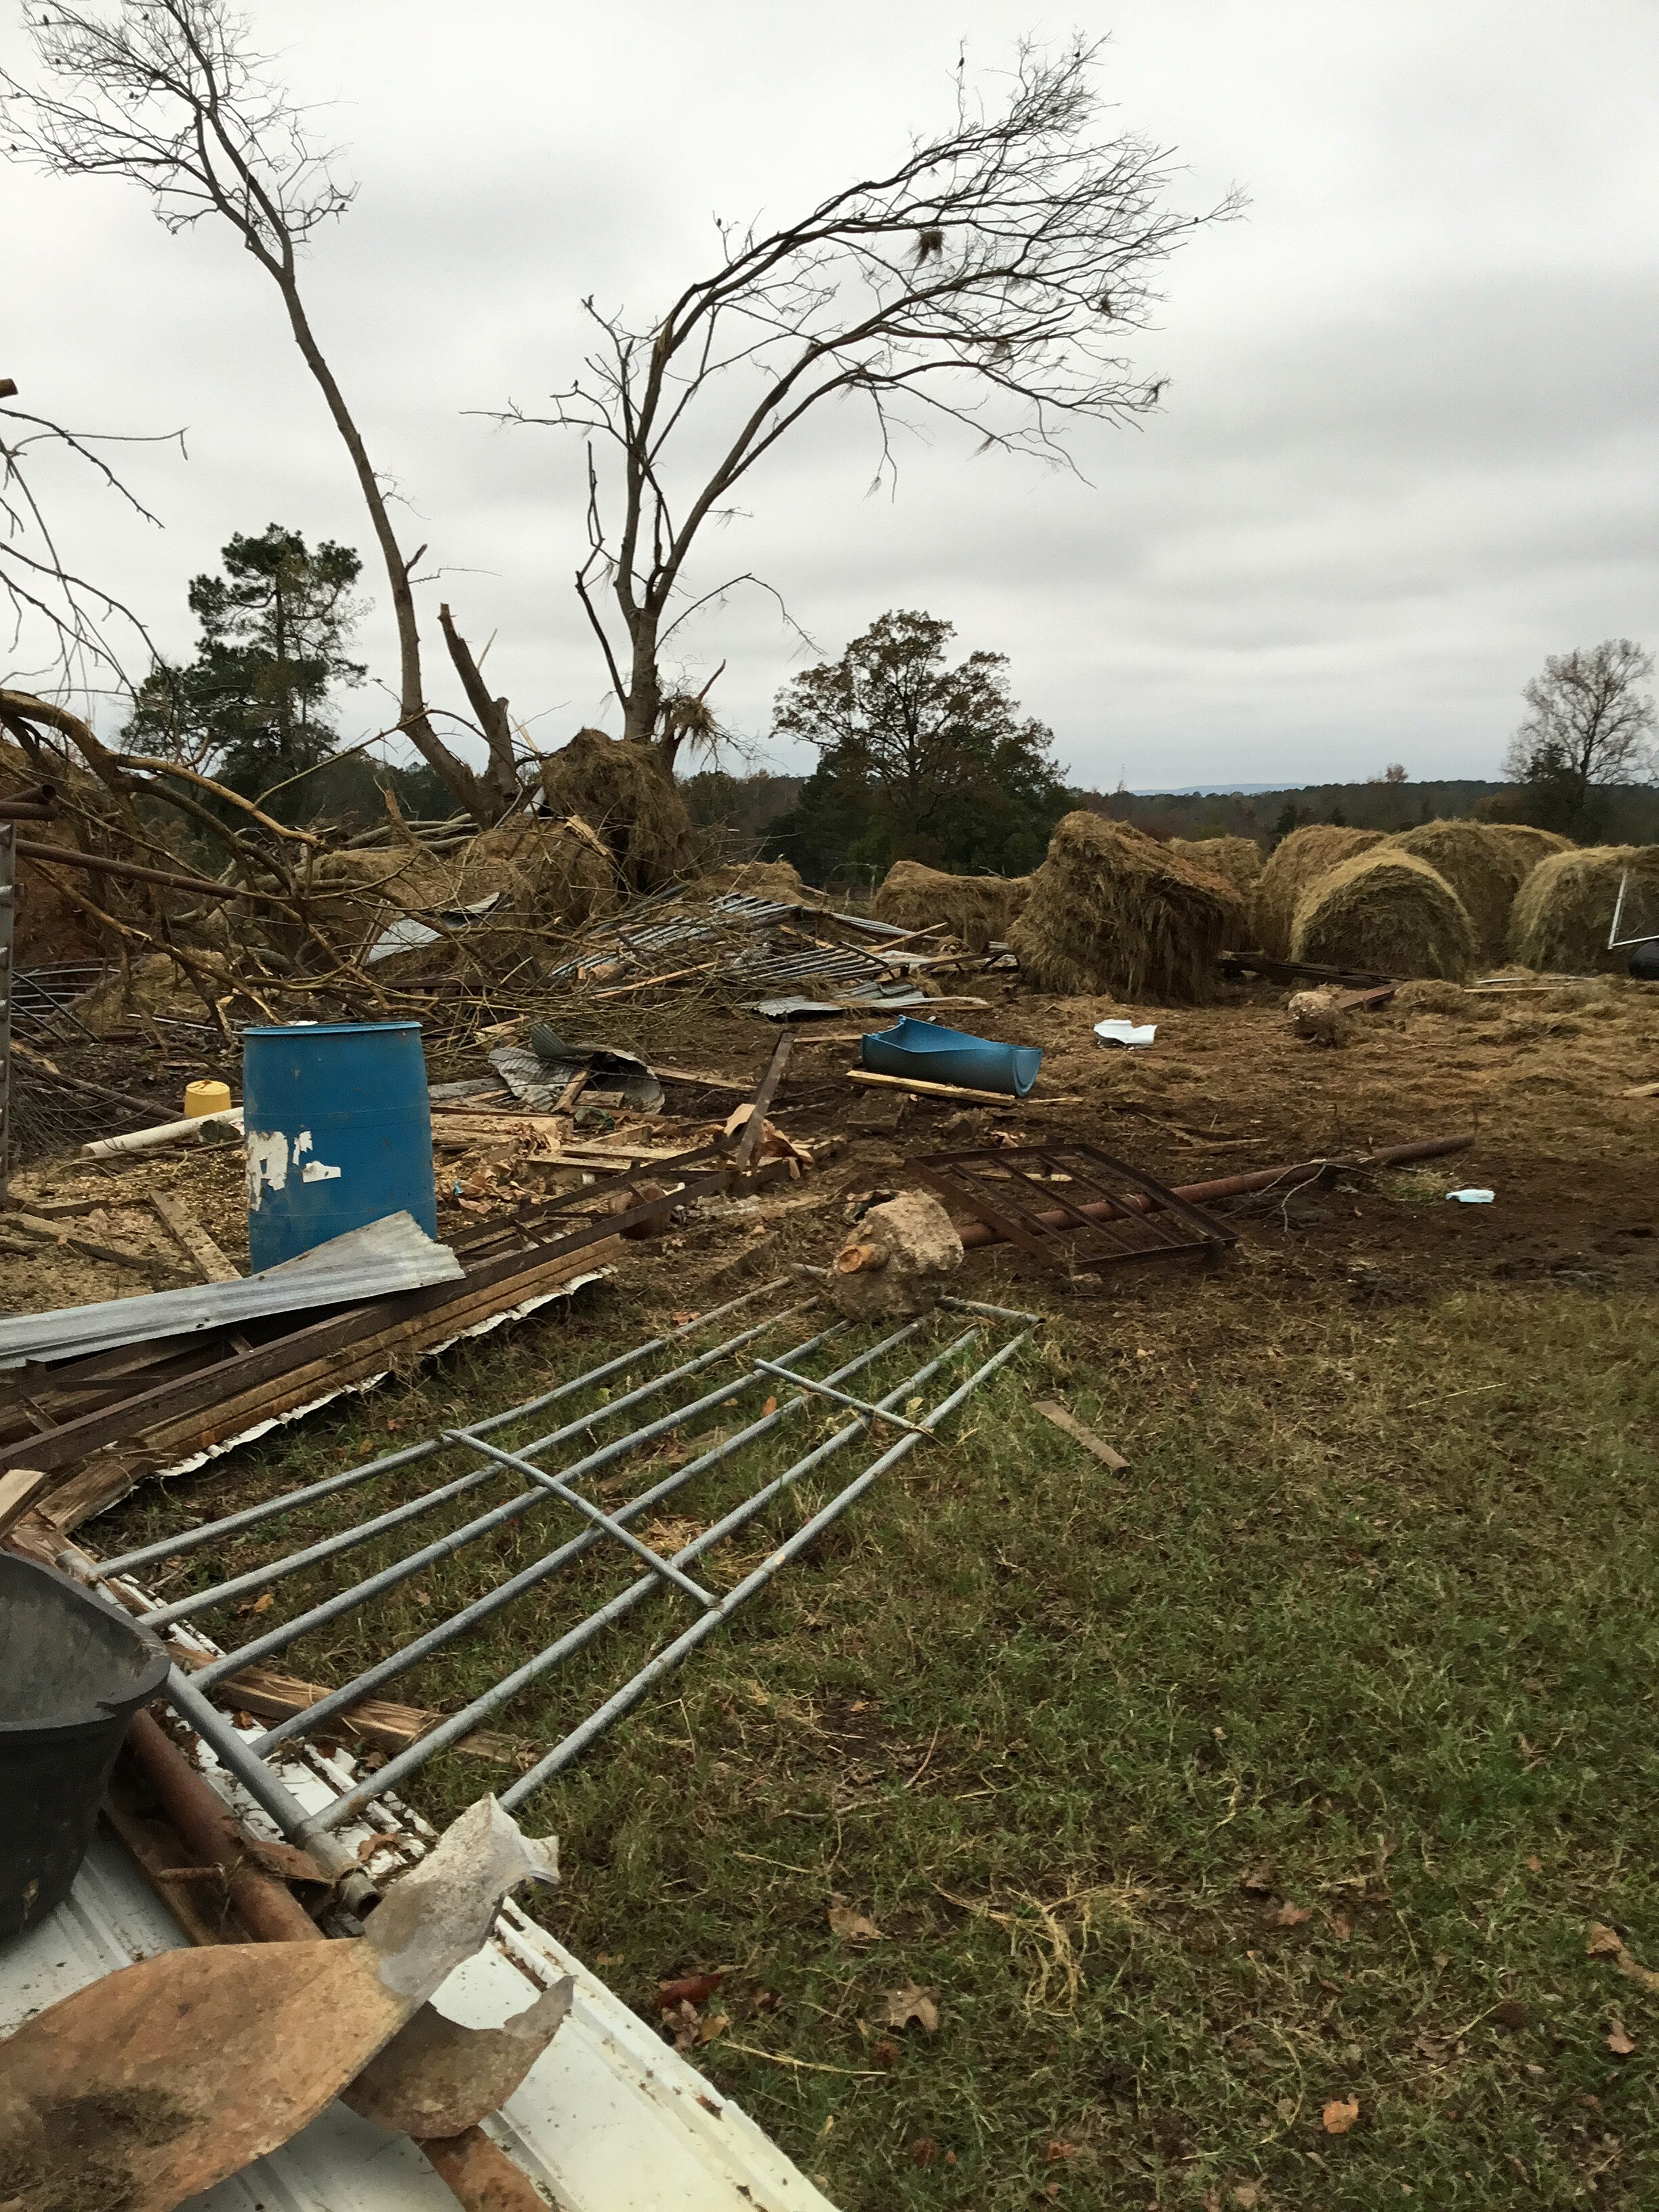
(267, 1163)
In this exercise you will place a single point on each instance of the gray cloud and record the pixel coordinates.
(1409, 447)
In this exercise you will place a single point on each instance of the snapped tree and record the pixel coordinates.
(169, 96)
(253, 707)
(1589, 724)
(988, 280)
(916, 760)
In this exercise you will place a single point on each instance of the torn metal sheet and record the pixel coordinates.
(610, 2118)
(436, 2077)
(539, 1077)
(409, 932)
(388, 1257)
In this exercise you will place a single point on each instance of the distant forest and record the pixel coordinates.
(752, 808)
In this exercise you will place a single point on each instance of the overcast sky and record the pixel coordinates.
(1407, 447)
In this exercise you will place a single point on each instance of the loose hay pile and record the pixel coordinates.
(1111, 909)
(762, 879)
(1484, 870)
(979, 909)
(1563, 911)
(1304, 856)
(1236, 860)
(617, 786)
(1389, 912)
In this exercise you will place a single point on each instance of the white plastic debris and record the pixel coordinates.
(1126, 1032)
(1472, 1197)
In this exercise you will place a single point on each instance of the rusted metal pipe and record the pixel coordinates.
(207, 1825)
(974, 1233)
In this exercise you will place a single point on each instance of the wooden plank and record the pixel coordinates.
(1641, 1091)
(18, 1491)
(177, 1217)
(955, 1091)
(371, 1720)
(51, 1232)
(1052, 1410)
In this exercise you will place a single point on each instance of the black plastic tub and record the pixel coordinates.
(73, 1671)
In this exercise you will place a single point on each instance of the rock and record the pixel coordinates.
(1315, 1016)
(896, 1259)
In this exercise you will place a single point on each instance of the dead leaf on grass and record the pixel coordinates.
(1289, 1916)
(1512, 2014)
(924, 2150)
(715, 2025)
(1053, 2152)
(1258, 1878)
(1620, 2041)
(1604, 1942)
(853, 1926)
(1341, 1927)
(1339, 2115)
(884, 2053)
(899, 2008)
(1607, 1943)
(691, 1989)
(1247, 2196)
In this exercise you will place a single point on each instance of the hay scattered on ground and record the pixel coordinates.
(1389, 912)
(1236, 860)
(1111, 909)
(1484, 870)
(1529, 845)
(979, 909)
(1563, 913)
(552, 872)
(1291, 867)
(618, 788)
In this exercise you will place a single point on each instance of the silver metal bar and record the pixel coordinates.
(600, 1519)
(990, 1313)
(346, 1601)
(346, 1539)
(859, 1405)
(576, 1742)
(268, 1790)
(444, 1631)
(1615, 943)
(290, 1501)
(456, 1725)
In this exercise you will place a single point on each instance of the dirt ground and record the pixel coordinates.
(1536, 1078)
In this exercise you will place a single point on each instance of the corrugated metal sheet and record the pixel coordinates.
(388, 1256)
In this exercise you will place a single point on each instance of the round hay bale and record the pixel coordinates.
(1563, 913)
(1290, 868)
(767, 879)
(1529, 846)
(1482, 868)
(1388, 911)
(1236, 860)
(1113, 910)
(978, 909)
(619, 787)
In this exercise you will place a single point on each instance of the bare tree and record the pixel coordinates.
(76, 619)
(169, 96)
(1588, 723)
(990, 279)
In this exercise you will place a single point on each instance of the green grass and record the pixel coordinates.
(1370, 1625)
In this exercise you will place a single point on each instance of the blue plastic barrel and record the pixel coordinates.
(339, 1132)
(929, 1053)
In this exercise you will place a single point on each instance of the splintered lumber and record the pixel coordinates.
(954, 1090)
(372, 1721)
(177, 1217)
(51, 1232)
(1052, 1410)
(754, 1128)
(18, 1492)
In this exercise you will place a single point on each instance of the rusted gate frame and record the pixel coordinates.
(958, 1178)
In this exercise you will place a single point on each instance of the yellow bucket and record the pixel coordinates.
(206, 1097)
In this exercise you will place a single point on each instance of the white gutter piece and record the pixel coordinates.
(391, 1255)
